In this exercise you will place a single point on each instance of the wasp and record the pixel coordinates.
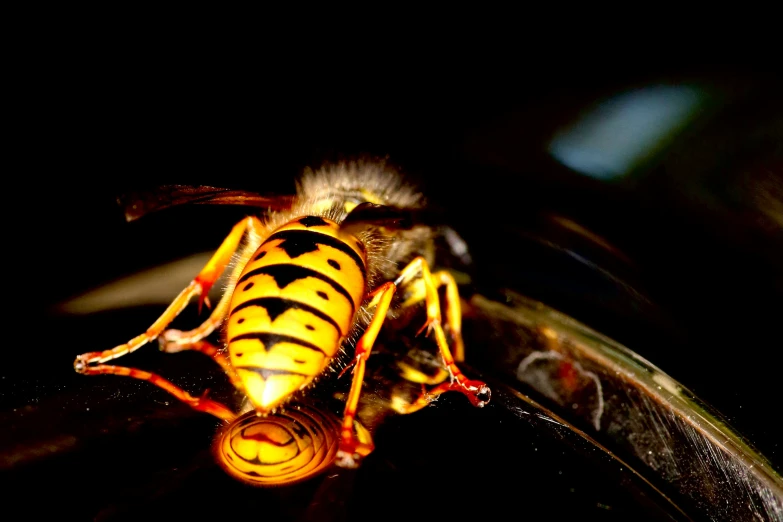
(312, 278)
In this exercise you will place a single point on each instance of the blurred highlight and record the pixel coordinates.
(618, 135)
(156, 286)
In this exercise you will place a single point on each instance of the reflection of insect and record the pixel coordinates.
(316, 275)
(280, 448)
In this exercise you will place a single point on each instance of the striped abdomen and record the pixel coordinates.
(293, 304)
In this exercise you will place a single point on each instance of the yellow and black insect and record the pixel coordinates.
(315, 275)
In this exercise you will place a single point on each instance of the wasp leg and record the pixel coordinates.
(411, 374)
(197, 403)
(417, 293)
(477, 392)
(212, 351)
(174, 340)
(400, 405)
(364, 438)
(352, 448)
(198, 287)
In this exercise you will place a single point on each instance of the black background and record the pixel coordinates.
(710, 274)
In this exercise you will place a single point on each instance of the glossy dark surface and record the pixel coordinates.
(693, 282)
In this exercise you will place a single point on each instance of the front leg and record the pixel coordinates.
(416, 293)
(477, 392)
(198, 287)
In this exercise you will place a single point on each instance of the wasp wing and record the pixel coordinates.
(139, 203)
(387, 216)
(398, 218)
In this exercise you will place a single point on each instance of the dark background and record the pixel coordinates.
(704, 261)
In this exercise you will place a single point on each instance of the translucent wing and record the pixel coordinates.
(138, 203)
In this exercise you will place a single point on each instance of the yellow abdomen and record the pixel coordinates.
(292, 307)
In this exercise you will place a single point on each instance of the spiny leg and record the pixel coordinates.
(197, 403)
(417, 293)
(198, 287)
(352, 447)
(477, 392)
(212, 351)
(174, 340)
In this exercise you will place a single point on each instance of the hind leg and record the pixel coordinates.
(197, 403)
(212, 351)
(200, 286)
(175, 340)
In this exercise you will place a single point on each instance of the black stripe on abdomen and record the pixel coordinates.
(271, 339)
(275, 306)
(285, 274)
(298, 242)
